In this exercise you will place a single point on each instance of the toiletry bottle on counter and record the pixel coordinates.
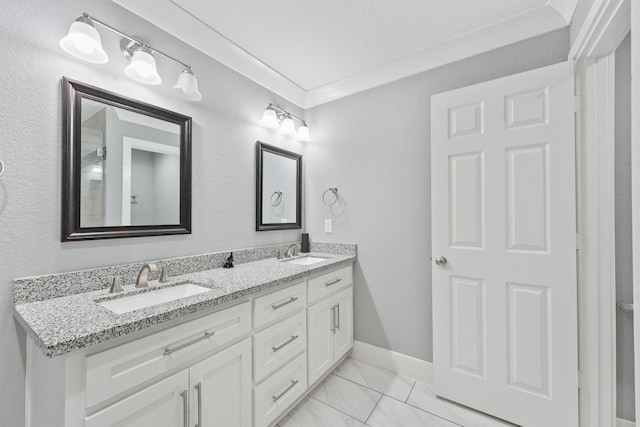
(304, 247)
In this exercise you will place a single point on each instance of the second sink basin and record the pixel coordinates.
(153, 297)
(305, 260)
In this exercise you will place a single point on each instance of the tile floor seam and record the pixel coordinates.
(372, 389)
(434, 414)
(332, 407)
(374, 408)
(412, 387)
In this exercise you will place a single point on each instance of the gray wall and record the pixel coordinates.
(624, 265)
(374, 146)
(225, 129)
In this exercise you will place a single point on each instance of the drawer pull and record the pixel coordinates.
(198, 387)
(193, 341)
(277, 306)
(292, 385)
(333, 282)
(333, 319)
(289, 341)
(185, 408)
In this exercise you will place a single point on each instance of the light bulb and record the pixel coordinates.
(143, 68)
(269, 119)
(303, 133)
(188, 83)
(83, 42)
(287, 127)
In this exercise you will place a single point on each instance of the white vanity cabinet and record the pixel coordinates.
(216, 391)
(220, 388)
(244, 365)
(330, 332)
(163, 403)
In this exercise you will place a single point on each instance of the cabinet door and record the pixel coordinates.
(343, 338)
(162, 404)
(221, 388)
(320, 338)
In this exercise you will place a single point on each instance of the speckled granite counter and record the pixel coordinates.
(67, 323)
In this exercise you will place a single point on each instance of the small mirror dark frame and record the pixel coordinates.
(261, 148)
(72, 94)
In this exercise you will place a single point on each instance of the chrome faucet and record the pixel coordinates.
(292, 250)
(143, 275)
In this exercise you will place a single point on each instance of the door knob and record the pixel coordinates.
(441, 261)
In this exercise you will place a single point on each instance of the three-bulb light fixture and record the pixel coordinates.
(276, 117)
(83, 41)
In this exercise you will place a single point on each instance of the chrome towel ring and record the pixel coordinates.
(1, 167)
(332, 197)
(278, 198)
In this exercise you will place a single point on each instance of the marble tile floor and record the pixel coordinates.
(357, 394)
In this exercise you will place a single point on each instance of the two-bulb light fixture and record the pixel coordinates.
(83, 41)
(276, 117)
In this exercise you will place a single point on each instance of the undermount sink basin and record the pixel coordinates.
(154, 297)
(305, 260)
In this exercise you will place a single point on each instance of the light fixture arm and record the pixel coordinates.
(282, 112)
(133, 39)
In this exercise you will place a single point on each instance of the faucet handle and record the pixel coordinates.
(116, 286)
(164, 276)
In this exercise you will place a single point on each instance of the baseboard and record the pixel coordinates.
(392, 361)
(624, 423)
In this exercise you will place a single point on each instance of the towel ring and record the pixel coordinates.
(278, 198)
(1, 167)
(334, 191)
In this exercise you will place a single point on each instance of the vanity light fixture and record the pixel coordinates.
(276, 117)
(83, 41)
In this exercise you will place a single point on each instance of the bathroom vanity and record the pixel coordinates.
(241, 354)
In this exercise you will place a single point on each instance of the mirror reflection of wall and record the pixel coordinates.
(279, 176)
(123, 154)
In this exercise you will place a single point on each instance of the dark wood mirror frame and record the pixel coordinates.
(72, 94)
(261, 148)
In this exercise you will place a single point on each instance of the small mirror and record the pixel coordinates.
(126, 167)
(278, 188)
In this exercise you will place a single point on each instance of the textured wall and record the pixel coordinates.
(225, 128)
(624, 264)
(374, 146)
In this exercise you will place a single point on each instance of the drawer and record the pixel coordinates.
(274, 396)
(327, 284)
(116, 370)
(278, 344)
(277, 305)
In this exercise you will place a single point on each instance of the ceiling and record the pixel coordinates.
(312, 51)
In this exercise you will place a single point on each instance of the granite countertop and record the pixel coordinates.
(68, 323)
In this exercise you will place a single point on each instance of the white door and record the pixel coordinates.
(503, 217)
(343, 335)
(320, 338)
(162, 404)
(221, 388)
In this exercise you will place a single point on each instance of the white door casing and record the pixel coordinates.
(504, 215)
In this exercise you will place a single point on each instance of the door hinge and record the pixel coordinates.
(583, 382)
(578, 105)
(581, 241)
(101, 152)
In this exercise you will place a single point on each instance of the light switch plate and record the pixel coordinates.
(328, 226)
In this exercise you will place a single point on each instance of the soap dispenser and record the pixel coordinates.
(304, 246)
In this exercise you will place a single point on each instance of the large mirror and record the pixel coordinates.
(126, 167)
(278, 188)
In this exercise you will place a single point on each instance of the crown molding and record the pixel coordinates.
(166, 15)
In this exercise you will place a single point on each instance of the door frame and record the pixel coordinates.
(593, 51)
